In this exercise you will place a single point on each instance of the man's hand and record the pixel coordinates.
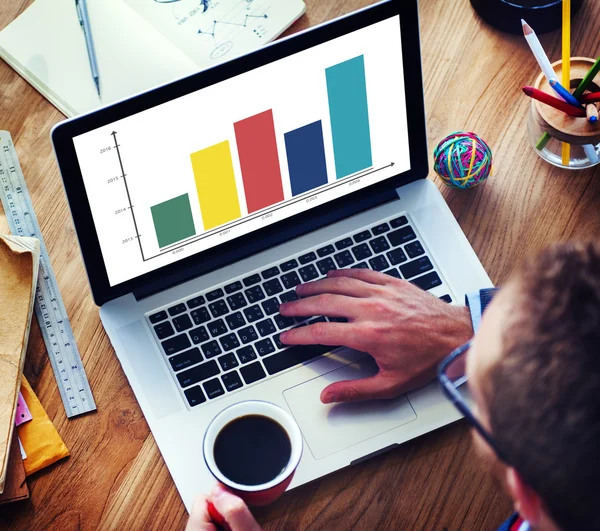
(408, 331)
(230, 507)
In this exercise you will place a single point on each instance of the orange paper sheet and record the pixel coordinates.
(41, 442)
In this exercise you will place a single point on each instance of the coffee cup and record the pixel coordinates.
(253, 448)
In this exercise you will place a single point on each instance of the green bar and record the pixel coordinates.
(173, 220)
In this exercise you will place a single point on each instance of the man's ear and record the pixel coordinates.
(527, 502)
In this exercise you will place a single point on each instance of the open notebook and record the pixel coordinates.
(139, 43)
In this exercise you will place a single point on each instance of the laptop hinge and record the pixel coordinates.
(236, 254)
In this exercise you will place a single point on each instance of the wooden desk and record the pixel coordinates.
(116, 478)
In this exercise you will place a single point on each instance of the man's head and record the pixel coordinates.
(534, 372)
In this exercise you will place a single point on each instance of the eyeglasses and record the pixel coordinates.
(453, 378)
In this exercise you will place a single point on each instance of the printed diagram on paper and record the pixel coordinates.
(211, 31)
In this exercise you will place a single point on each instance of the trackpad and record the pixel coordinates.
(330, 428)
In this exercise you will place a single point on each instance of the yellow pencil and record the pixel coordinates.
(566, 65)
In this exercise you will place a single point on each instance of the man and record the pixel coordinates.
(533, 373)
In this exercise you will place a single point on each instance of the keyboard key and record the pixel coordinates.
(289, 265)
(393, 273)
(344, 259)
(270, 273)
(308, 273)
(428, 281)
(228, 361)
(214, 295)
(289, 296)
(232, 381)
(414, 249)
(379, 245)
(218, 308)
(199, 335)
(195, 302)
(306, 258)
(254, 313)
(380, 229)
(211, 349)
(398, 222)
(198, 373)
(255, 294)
(177, 309)
(324, 251)
(157, 317)
(253, 372)
(272, 287)
(163, 330)
(276, 338)
(213, 388)
(360, 265)
(379, 263)
(446, 298)
(232, 288)
(416, 267)
(344, 244)
(317, 320)
(362, 236)
(283, 322)
(194, 396)
(217, 328)
(400, 236)
(361, 251)
(186, 359)
(271, 306)
(293, 356)
(183, 322)
(251, 280)
(397, 256)
(266, 327)
(326, 265)
(235, 320)
(246, 354)
(290, 280)
(236, 301)
(200, 316)
(265, 347)
(248, 334)
(229, 342)
(176, 344)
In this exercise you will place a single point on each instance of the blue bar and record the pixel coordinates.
(349, 114)
(306, 158)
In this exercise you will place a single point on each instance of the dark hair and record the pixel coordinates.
(544, 393)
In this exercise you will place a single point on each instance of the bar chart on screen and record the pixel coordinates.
(242, 154)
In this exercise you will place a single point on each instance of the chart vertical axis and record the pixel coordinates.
(137, 234)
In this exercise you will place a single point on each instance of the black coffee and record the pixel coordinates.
(252, 450)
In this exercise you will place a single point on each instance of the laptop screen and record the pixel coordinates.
(222, 162)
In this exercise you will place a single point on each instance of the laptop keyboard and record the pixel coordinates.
(226, 338)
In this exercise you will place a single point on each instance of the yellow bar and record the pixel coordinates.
(566, 65)
(215, 182)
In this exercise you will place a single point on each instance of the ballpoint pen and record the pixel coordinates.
(84, 20)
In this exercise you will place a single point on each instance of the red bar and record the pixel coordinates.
(259, 160)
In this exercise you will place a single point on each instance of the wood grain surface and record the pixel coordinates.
(115, 477)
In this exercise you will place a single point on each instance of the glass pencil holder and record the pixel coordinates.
(552, 133)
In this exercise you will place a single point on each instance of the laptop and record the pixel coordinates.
(200, 205)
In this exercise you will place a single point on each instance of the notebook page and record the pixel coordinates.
(46, 45)
(211, 31)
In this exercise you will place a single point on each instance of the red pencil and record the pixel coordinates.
(590, 98)
(544, 97)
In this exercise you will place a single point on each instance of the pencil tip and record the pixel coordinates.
(527, 30)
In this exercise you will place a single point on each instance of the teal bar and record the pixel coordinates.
(349, 114)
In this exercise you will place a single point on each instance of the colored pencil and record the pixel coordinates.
(561, 105)
(591, 113)
(590, 152)
(538, 51)
(589, 77)
(592, 97)
(566, 71)
(564, 93)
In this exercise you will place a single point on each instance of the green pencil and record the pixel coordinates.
(589, 77)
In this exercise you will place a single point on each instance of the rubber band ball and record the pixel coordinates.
(463, 160)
